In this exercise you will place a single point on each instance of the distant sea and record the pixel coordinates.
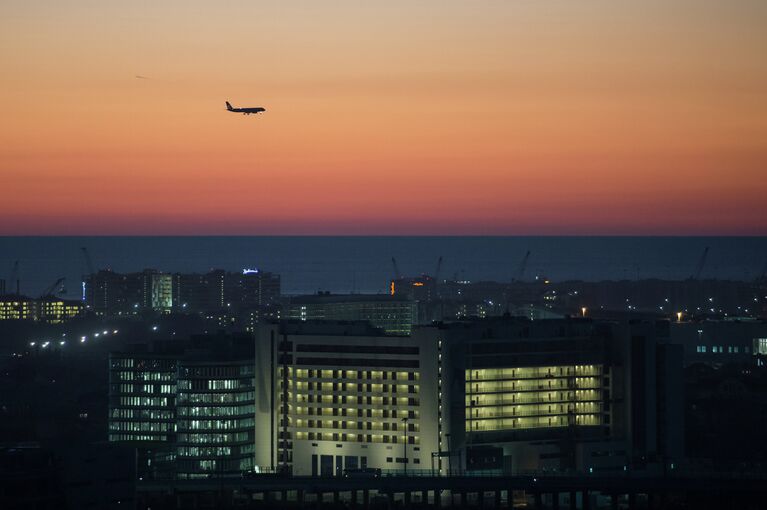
(363, 264)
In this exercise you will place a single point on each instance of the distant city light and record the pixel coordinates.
(154, 328)
(83, 339)
(249, 271)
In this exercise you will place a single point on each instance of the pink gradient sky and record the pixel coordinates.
(433, 117)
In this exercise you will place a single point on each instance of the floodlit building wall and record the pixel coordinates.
(352, 401)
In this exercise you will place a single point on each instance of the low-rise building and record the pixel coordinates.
(718, 342)
(50, 309)
(17, 307)
(395, 314)
(54, 310)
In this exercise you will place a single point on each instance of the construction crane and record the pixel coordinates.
(700, 266)
(15, 277)
(88, 261)
(763, 275)
(397, 274)
(522, 266)
(58, 287)
(438, 270)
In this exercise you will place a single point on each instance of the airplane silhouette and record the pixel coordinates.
(244, 111)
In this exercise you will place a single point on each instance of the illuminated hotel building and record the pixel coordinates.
(344, 396)
(394, 314)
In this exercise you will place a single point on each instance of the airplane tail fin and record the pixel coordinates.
(228, 106)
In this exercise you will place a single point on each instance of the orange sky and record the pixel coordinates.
(428, 117)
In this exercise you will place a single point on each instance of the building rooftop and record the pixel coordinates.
(326, 297)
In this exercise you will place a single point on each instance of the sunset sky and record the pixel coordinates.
(419, 117)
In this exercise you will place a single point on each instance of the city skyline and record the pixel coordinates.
(430, 118)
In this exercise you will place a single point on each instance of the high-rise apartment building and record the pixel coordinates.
(110, 293)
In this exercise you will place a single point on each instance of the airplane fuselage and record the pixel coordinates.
(244, 111)
(247, 111)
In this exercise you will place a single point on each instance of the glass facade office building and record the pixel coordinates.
(142, 398)
(215, 419)
(187, 406)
